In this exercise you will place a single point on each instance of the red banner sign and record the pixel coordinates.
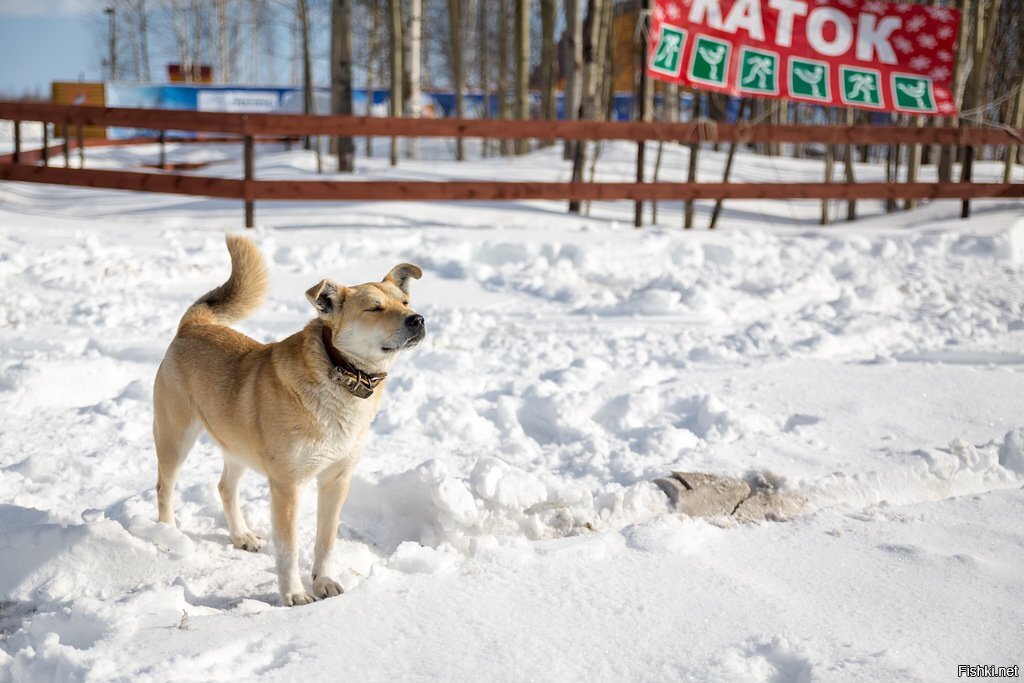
(851, 53)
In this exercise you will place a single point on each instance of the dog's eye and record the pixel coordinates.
(375, 309)
(405, 303)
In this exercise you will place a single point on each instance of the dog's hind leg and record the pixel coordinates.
(173, 442)
(241, 536)
(175, 430)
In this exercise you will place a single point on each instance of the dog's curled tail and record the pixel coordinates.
(241, 294)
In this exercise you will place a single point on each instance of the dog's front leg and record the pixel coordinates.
(284, 503)
(331, 494)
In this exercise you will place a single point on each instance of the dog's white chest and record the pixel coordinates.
(342, 432)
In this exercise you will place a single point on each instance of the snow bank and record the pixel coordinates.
(429, 506)
(503, 523)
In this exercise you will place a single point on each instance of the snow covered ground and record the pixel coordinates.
(502, 524)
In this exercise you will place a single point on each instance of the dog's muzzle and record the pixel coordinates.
(416, 328)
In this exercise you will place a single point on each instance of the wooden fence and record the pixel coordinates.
(247, 128)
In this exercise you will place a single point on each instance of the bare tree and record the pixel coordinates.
(124, 39)
(199, 14)
(984, 28)
(180, 23)
(142, 37)
(548, 61)
(645, 105)
(341, 77)
(1012, 151)
(574, 62)
(395, 11)
(522, 58)
(224, 72)
(945, 167)
(111, 60)
(308, 103)
(483, 51)
(503, 74)
(458, 73)
(588, 98)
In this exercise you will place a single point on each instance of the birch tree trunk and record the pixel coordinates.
(671, 103)
(548, 60)
(415, 57)
(371, 65)
(254, 41)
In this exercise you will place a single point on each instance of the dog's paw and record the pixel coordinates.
(326, 587)
(296, 599)
(247, 541)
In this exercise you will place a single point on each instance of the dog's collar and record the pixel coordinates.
(357, 382)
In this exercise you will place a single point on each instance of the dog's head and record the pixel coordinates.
(371, 323)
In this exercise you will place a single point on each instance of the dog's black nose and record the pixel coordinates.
(414, 321)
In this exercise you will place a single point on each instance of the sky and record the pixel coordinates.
(42, 41)
(46, 40)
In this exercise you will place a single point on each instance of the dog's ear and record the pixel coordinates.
(400, 275)
(326, 296)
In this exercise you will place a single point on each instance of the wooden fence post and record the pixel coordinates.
(248, 164)
(81, 147)
(16, 157)
(163, 149)
(46, 143)
(67, 148)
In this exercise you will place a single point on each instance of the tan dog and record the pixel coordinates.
(293, 410)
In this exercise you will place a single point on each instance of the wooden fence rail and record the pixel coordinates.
(326, 190)
(20, 167)
(279, 125)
